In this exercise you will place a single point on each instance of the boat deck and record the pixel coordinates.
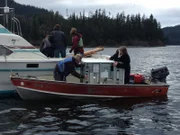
(70, 78)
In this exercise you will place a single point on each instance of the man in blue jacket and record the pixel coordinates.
(67, 66)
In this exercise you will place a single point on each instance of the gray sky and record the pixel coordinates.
(167, 12)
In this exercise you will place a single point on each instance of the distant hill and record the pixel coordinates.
(172, 35)
(22, 9)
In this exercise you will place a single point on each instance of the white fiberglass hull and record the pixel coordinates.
(36, 68)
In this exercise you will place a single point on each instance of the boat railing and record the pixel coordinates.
(10, 21)
(18, 26)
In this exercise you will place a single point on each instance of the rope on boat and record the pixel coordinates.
(27, 76)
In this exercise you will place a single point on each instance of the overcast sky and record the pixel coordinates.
(167, 12)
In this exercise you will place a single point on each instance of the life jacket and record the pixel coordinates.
(80, 43)
(61, 65)
(80, 40)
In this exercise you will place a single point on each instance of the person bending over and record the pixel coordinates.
(67, 66)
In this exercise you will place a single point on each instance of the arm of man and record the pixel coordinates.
(124, 62)
(65, 39)
(120, 65)
(114, 56)
(76, 74)
(50, 38)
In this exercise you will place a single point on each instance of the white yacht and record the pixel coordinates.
(19, 56)
(16, 54)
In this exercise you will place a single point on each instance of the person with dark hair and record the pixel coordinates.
(46, 47)
(77, 42)
(59, 42)
(67, 66)
(122, 60)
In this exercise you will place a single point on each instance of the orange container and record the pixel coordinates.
(136, 78)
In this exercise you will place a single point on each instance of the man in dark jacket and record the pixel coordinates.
(67, 66)
(59, 42)
(122, 60)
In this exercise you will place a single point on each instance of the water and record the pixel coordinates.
(150, 116)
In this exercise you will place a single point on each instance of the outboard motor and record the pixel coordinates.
(159, 74)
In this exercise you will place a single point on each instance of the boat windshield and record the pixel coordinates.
(5, 51)
(4, 30)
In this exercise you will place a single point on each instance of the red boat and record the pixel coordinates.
(33, 89)
(103, 82)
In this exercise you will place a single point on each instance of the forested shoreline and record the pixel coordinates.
(99, 28)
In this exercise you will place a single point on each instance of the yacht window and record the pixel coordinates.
(4, 30)
(32, 65)
(5, 51)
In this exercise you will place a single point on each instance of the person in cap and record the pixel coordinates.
(67, 66)
(77, 42)
(122, 60)
(58, 41)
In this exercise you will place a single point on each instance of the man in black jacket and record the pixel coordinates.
(58, 41)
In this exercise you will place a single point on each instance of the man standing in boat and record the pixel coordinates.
(59, 42)
(77, 42)
(67, 66)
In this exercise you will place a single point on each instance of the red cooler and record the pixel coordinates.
(136, 78)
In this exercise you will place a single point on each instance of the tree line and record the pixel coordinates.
(99, 28)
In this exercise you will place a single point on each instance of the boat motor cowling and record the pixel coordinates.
(159, 74)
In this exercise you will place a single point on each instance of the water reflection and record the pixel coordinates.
(126, 103)
(114, 116)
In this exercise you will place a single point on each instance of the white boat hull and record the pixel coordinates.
(36, 95)
(7, 68)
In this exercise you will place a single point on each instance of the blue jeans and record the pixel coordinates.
(60, 51)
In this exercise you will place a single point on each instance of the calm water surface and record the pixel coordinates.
(153, 116)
